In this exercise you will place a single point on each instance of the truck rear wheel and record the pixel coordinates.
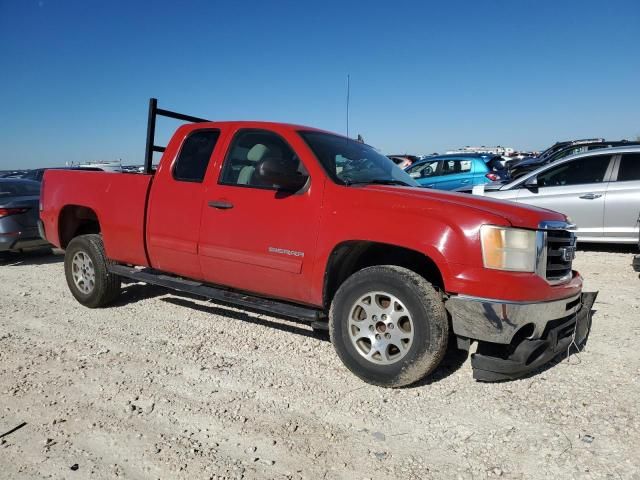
(85, 268)
(389, 326)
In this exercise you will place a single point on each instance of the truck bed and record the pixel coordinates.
(117, 199)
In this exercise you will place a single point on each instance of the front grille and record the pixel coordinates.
(560, 253)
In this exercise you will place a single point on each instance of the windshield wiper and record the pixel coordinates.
(378, 181)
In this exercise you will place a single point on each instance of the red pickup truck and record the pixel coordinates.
(315, 226)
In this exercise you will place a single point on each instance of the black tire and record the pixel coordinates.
(430, 325)
(106, 287)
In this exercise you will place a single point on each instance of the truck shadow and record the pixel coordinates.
(135, 292)
(220, 309)
(607, 247)
(633, 249)
(452, 361)
(34, 257)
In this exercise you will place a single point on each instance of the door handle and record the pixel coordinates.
(220, 204)
(590, 196)
(464, 181)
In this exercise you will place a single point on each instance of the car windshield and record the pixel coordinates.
(551, 150)
(349, 162)
(18, 189)
(423, 169)
(494, 163)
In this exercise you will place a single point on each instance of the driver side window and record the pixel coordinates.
(248, 150)
(577, 172)
(455, 166)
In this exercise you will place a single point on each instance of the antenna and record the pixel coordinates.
(348, 92)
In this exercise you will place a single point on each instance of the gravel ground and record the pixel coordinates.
(167, 386)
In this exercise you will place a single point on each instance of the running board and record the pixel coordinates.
(153, 277)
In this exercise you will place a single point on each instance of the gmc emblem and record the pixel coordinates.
(568, 253)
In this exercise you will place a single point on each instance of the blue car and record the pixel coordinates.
(448, 172)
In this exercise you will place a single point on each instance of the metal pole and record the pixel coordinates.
(348, 95)
(151, 132)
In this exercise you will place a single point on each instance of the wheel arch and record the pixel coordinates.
(75, 220)
(351, 256)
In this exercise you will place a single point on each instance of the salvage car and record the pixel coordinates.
(38, 173)
(307, 224)
(12, 173)
(448, 172)
(518, 169)
(560, 145)
(636, 258)
(19, 215)
(553, 149)
(599, 190)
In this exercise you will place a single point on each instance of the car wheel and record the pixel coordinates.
(389, 326)
(87, 274)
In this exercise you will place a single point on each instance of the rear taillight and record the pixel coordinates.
(494, 177)
(5, 212)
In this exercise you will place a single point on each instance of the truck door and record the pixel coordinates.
(175, 204)
(254, 237)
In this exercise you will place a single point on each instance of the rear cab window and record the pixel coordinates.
(195, 154)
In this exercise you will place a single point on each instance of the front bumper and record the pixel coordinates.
(516, 338)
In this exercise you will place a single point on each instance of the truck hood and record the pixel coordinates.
(518, 215)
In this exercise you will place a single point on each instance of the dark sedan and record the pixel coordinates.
(527, 165)
(19, 215)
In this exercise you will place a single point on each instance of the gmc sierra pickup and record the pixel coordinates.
(315, 226)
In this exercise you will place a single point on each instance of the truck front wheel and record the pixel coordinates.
(389, 326)
(85, 268)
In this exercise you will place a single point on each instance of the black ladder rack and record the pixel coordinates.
(154, 111)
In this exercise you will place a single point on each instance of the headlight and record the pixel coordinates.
(511, 249)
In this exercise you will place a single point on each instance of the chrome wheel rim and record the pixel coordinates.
(84, 273)
(380, 328)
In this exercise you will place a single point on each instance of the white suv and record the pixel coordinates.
(598, 190)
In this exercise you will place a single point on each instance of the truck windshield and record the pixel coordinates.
(349, 162)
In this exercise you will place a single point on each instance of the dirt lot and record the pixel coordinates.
(163, 386)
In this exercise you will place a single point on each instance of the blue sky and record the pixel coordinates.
(425, 76)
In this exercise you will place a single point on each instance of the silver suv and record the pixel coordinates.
(599, 191)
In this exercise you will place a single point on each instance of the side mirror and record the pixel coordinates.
(415, 175)
(531, 182)
(280, 173)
